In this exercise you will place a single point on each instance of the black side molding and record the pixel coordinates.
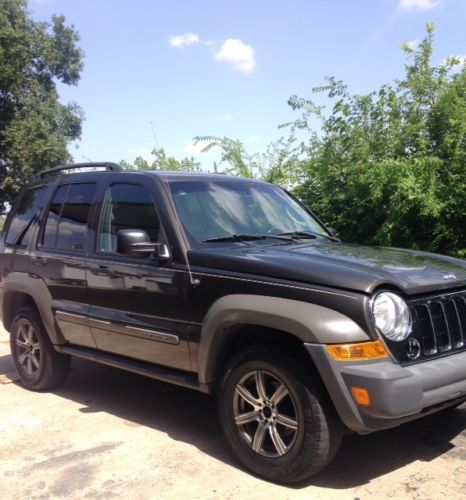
(178, 377)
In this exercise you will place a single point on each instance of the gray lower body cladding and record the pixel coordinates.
(398, 394)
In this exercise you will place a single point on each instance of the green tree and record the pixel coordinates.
(233, 153)
(389, 167)
(162, 162)
(279, 164)
(385, 168)
(35, 128)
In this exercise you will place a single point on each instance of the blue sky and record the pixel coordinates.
(228, 68)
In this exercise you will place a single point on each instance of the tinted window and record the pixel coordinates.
(50, 233)
(212, 209)
(23, 214)
(127, 206)
(66, 223)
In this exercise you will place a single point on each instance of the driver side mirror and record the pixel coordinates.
(136, 243)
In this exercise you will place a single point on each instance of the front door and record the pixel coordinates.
(135, 302)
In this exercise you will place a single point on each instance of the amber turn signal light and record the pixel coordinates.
(361, 396)
(358, 352)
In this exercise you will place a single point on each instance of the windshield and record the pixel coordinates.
(216, 209)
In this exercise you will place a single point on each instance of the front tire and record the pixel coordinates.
(277, 421)
(39, 366)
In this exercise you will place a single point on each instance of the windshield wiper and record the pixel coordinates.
(307, 235)
(247, 237)
(235, 237)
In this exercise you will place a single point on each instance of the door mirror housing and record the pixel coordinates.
(136, 243)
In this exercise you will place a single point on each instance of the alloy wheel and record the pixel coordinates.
(28, 347)
(265, 413)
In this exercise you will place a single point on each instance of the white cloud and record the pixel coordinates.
(184, 40)
(238, 53)
(252, 139)
(232, 50)
(225, 117)
(418, 4)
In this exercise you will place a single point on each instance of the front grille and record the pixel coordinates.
(439, 328)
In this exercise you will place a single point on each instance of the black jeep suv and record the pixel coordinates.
(231, 286)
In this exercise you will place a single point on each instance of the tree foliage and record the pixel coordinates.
(162, 161)
(386, 168)
(233, 153)
(35, 128)
(279, 164)
(389, 167)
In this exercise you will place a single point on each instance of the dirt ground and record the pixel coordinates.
(107, 433)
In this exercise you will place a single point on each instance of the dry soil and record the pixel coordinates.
(107, 433)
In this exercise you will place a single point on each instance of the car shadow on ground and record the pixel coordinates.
(191, 417)
(6, 368)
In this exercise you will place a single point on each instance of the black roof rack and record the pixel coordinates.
(110, 167)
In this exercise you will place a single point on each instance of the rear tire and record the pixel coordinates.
(39, 366)
(278, 422)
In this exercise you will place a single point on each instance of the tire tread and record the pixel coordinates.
(55, 366)
(324, 429)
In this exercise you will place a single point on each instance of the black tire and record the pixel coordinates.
(39, 366)
(300, 413)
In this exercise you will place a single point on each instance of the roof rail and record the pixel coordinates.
(110, 167)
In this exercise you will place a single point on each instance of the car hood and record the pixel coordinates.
(338, 265)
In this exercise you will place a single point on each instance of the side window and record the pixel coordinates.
(126, 206)
(65, 227)
(19, 230)
(49, 238)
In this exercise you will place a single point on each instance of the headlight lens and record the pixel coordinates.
(391, 316)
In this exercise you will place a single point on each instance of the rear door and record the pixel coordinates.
(137, 305)
(59, 258)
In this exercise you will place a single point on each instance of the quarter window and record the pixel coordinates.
(66, 223)
(127, 206)
(22, 218)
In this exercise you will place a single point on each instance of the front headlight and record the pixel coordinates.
(391, 316)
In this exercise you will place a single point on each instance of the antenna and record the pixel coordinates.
(153, 133)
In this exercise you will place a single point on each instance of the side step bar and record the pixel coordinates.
(157, 372)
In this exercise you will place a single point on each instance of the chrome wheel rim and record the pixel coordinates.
(265, 413)
(27, 347)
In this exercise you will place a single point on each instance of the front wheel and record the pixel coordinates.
(278, 422)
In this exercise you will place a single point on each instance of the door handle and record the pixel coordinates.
(39, 261)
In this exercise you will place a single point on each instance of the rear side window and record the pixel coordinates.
(65, 226)
(23, 215)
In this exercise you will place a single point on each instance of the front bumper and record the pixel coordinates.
(398, 394)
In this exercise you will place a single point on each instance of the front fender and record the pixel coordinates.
(310, 323)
